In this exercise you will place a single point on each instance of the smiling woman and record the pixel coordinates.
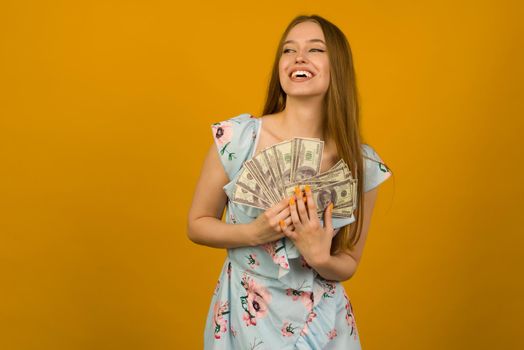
(280, 284)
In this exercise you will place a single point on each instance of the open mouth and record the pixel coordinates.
(301, 75)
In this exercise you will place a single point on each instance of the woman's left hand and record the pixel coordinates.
(311, 239)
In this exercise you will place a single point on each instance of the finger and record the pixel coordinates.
(287, 232)
(328, 215)
(311, 206)
(302, 212)
(284, 213)
(282, 204)
(294, 214)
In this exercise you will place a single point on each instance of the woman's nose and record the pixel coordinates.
(300, 58)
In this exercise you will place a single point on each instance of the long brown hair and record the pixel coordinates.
(341, 113)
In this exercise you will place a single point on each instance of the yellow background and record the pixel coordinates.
(105, 113)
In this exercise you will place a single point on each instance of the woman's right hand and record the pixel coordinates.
(267, 226)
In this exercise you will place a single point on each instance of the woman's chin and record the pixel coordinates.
(305, 94)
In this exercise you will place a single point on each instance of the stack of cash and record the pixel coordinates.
(275, 172)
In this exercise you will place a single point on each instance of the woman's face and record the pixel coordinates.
(304, 49)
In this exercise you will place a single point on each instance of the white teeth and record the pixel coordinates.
(297, 72)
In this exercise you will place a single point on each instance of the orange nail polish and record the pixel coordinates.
(292, 201)
(281, 222)
(297, 190)
(308, 189)
(331, 206)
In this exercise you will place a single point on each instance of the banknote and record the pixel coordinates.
(307, 157)
(276, 171)
(271, 161)
(243, 196)
(249, 183)
(284, 156)
(340, 193)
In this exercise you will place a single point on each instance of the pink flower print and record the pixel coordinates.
(255, 302)
(295, 294)
(304, 263)
(252, 260)
(270, 248)
(305, 297)
(219, 310)
(330, 289)
(223, 132)
(332, 334)
(350, 317)
(310, 319)
(287, 329)
(282, 261)
(233, 332)
(217, 287)
(248, 319)
(273, 251)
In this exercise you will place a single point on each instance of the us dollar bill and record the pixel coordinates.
(243, 196)
(308, 158)
(338, 172)
(340, 193)
(249, 182)
(284, 156)
(260, 168)
(271, 161)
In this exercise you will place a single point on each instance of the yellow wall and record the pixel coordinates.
(105, 108)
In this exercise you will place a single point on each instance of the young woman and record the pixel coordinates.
(280, 284)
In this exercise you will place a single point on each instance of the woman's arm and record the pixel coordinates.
(343, 265)
(205, 225)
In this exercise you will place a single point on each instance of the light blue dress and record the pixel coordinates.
(267, 297)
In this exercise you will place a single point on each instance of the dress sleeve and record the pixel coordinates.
(234, 139)
(375, 170)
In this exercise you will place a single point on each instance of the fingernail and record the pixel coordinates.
(281, 222)
(292, 201)
(308, 189)
(331, 206)
(297, 191)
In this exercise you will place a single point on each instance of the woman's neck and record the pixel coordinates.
(302, 117)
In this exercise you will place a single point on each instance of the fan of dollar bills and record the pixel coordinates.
(275, 172)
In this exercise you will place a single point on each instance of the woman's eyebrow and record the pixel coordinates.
(310, 40)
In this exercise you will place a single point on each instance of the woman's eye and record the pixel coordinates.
(319, 50)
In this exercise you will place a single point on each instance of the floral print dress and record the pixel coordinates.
(267, 297)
